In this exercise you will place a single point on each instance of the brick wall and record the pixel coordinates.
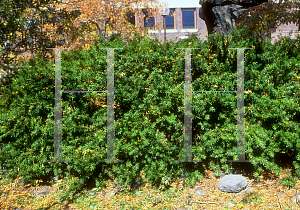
(178, 32)
(285, 28)
(200, 27)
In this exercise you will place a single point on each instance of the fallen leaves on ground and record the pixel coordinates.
(266, 194)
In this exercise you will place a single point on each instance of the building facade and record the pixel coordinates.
(184, 19)
(179, 23)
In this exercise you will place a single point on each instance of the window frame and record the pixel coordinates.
(174, 19)
(195, 20)
(144, 18)
(134, 17)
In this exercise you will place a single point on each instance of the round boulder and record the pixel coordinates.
(232, 183)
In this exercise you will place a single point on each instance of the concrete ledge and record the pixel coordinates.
(170, 31)
(189, 30)
(150, 31)
(183, 37)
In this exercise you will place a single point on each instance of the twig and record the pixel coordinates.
(288, 204)
(261, 184)
(279, 201)
(249, 184)
(297, 200)
(205, 202)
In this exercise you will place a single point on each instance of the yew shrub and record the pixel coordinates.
(149, 110)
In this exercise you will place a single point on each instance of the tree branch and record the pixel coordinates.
(7, 68)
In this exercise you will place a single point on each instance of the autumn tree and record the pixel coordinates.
(104, 17)
(33, 26)
(264, 18)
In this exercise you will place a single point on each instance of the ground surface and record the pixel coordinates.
(264, 194)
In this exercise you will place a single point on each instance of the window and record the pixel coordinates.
(170, 19)
(130, 17)
(148, 21)
(188, 18)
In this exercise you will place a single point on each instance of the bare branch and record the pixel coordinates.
(7, 68)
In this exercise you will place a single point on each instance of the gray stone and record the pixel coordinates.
(220, 16)
(43, 191)
(232, 183)
(230, 204)
(200, 192)
(117, 189)
(26, 182)
(56, 178)
(246, 192)
(297, 200)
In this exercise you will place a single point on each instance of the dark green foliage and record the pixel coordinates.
(149, 113)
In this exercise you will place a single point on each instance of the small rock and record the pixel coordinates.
(42, 192)
(136, 185)
(232, 183)
(200, 192)
(14, 208)
(230, 204)
(182, 176)
(26, 182)
(247, 192)
(297, 201)
(56, 178)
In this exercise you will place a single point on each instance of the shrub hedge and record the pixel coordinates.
(149, 111)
